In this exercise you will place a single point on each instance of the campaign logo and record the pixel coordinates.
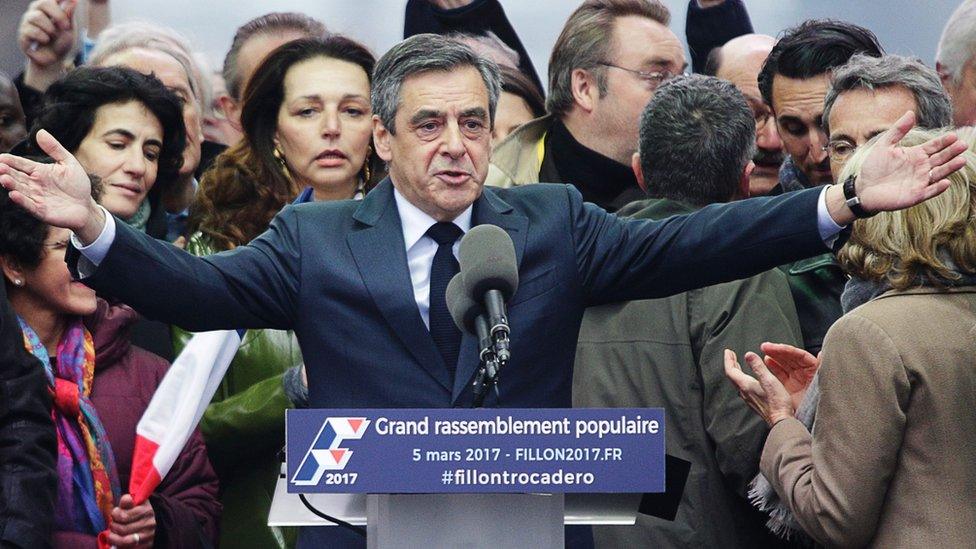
(325, 453)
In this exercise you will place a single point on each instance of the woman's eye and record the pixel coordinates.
(355, 112)
(306, 112)
(116, 145)
(152, 155)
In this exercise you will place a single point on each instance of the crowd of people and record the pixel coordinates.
(805, 201)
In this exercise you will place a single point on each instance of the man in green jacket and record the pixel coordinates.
(697, 139)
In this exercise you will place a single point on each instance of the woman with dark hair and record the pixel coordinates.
(124, 127)
(307, 132)
(307, 127)
(521, 101)
(101, 385)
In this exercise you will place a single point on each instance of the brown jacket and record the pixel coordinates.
(668, 352)
(517, 159)
(892, 462)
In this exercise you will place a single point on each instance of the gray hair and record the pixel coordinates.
(140, 34)
(489, 45)
(958, 42)
(585, 43)
(933, 107)
(697, 134)
(424, 53)
(266, 24)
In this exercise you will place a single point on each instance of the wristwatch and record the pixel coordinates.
(852, 201)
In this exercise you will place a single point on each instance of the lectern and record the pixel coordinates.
(468, 478)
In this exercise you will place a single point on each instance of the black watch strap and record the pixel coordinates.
(851, 199)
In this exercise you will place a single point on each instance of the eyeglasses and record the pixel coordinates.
(651, 78)
(839, 150)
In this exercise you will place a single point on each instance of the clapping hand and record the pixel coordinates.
(795, 368)
(763, 393)
(895, 177)
(58, 194)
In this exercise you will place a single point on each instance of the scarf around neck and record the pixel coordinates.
(140, 219)
(88, 482)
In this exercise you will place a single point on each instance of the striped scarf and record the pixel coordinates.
(88, 483)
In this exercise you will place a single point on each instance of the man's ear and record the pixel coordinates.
(231, 110)
(11, 269)
(635, 164)
(381, 139)
(585, 89)
(743, 190)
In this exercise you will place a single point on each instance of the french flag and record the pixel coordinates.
(176, 408)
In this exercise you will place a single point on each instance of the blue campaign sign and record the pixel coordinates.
(481, 450)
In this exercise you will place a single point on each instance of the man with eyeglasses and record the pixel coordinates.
(609, 58)
(867, 96)
(739, 61)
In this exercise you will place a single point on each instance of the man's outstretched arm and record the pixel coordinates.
(255, 286)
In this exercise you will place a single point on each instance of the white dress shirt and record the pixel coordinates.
(420, 248)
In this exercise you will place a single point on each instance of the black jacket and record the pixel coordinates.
(27, 441)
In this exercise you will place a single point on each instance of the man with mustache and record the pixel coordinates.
(739, 61)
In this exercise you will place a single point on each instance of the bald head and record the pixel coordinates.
(739, 61)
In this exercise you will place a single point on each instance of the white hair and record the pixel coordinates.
(142, 34)
(958, 42)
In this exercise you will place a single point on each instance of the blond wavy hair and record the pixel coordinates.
(926, 245)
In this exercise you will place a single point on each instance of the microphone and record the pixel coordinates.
(470, 317)
(467, 314)
(490, 273)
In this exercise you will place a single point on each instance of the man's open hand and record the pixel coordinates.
(58, 194)
(895, 177)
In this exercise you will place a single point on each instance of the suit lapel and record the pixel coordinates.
(489, 209)
(381, 257)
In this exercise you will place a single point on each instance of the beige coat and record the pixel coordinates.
(516, 160)
(892, 462)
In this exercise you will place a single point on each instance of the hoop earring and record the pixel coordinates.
(280, 157)
(367, 172)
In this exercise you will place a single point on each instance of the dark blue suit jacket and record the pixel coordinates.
(336, 273)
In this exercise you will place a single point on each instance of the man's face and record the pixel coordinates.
(439, 156)
(963, 94)
(249, 58)
(798, 107)
(638, 44)
(13, 124)
(858, 115)
(743, 71)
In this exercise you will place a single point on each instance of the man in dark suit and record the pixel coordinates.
(362, 284)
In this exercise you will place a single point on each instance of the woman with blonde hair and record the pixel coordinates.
(891, 458)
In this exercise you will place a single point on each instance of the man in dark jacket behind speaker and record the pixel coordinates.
(697, 138)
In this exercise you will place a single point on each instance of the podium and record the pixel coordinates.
(493, 521)
(425, 478)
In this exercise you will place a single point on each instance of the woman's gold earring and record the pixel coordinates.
(367, 173)
(280, 157)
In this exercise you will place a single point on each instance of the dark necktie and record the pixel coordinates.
(446, 335)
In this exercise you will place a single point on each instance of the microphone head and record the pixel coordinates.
(463, 309)
(487, 259)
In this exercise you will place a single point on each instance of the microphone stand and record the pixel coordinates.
(487, 376)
